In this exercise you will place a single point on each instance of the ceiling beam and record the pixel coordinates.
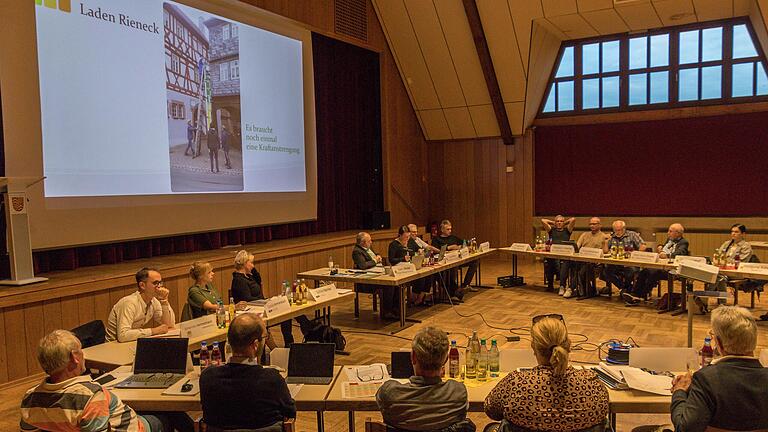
(481, 45)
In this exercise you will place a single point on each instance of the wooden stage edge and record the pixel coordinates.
(96, 278)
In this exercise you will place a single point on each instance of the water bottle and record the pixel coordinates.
(493, 359)
(453, 361)
(227, 352)
(330, 262)
(216, 355)
(267, 360)
(706, 352)
(231, 311)
(205, 358)
(736, 261)
(473, 351)
(287, 291)
(221, 319)
(482, 362)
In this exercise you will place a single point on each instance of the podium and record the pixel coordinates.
(14, 190)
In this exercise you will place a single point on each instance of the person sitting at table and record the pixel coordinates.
(552, 396)
(452, 242)
(399, 252)
(365, 258)
(68, 400)
(730, 393)
(242, 394)
(148, 306)
(622, 276)
(737, 245)
(426, 402)
(203, 298)
(648, 278)
(559, 231)
(594, 238)
(246, 288)
(416, 242)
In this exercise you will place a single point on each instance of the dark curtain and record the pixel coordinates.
(706, 166)
(349, 179)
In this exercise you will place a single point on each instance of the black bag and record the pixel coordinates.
(316, 331)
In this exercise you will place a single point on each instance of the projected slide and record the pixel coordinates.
(155, 97)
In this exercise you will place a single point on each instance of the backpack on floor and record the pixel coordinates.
(317, 331)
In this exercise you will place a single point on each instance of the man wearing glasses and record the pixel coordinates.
(144, 313)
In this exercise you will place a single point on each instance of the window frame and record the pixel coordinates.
(726, 62)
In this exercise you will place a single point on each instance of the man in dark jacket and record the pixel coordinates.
(730, 393)
(225, 138)
(213, 147)
(648, 278)
(364, 258)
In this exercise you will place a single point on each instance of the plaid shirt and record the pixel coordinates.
(630, 238)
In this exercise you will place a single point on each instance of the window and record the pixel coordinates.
(234, 69)
(175, 63)
(225, 31)
(224, 71)
(176, 110)
(705, 63)
(229, 70)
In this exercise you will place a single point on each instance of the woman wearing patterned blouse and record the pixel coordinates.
(553, 396)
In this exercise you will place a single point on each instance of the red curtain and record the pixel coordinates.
(347, 110)
(706, 166)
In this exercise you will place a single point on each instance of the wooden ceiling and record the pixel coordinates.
(432, 43)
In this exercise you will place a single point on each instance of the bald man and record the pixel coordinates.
(648, 278)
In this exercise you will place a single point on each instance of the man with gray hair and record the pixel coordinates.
(426, 402)
(648, 278)
(364, 258)
(730, 393)
(622, 276)
(68, 400)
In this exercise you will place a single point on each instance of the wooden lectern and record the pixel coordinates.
(14, 190)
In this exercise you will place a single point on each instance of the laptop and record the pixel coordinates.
(401, 364)
(443, 248)
(418, 261)
(310, 363)
(159, 363)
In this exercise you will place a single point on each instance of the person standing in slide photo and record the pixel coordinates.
(202, 68)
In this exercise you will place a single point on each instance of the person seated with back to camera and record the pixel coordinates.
(622, 276)
(246, 287)
(426, 402)
(559, 231)
(675, 245)
(400, 251)
(242, 394)
(365, 258)
(148, 306)
(552, 396)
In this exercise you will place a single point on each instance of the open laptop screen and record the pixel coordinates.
(161, 355)
(401, 364)
(311, 360)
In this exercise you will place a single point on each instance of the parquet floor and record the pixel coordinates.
(492, 313)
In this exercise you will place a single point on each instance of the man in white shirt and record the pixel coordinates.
(143, 313)
(421, 244)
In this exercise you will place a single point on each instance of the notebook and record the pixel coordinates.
(159, 363)
(310, 363)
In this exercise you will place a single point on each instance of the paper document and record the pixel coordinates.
(640, 380)
(343, 291)
(360, 390)
(294, 389)
(174, 332)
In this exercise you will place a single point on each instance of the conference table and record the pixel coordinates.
(320, 398)
(389, 281)
(110, 355)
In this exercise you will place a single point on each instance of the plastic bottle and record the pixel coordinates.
(295, 291)
(287, 291)
(706, 352)
(231, 315)
(493, 359)
(267, 360)
(548, 244)
(482, 362)
(205, 356)
(330, 262)
(453, 361)
(736, 261)
(221, 319)
(473, 350)
(227, 352)
(216, 355)
(304, 291)
(620, 252)
(716, 258)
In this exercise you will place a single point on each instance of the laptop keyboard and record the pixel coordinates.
(308, 380)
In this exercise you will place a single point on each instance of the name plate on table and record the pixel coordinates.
(325, 292)
(484, 246)
(402, 269)
(591, 252)
(520, 247)
(761, 268)
(646, 257)
(198, 327)
(699, 271)
(452, 256)
(277, 305)
(463, 252)
(681, 258)
(562, 249)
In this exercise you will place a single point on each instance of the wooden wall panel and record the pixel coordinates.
(14, 333)
(51, 315)
(3, 352)
(33, 331)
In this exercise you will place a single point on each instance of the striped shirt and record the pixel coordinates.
(77, 404)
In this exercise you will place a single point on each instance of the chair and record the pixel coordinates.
(505, 426)
(763, 356)
(511, 359)
(186, 312)
(663, 359)
(741, 284)
(91, 333)
(286, 426)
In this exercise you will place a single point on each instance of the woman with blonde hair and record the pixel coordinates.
(552, 396)
(202, 296)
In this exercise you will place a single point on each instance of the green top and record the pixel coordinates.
(197, 295)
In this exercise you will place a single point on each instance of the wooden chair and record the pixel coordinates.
(288, 426)
(374, 426)
(737, 285)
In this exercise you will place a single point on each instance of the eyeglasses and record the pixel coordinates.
(158, 283)
(538, 318)
(370, 375)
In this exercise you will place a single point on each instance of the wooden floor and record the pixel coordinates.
(505, 311)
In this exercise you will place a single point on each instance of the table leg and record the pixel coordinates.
(351, 417)
(612, 417)
(403, 304)
(670, 289)
(690, 320)
(514, 265)
(320, 422)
